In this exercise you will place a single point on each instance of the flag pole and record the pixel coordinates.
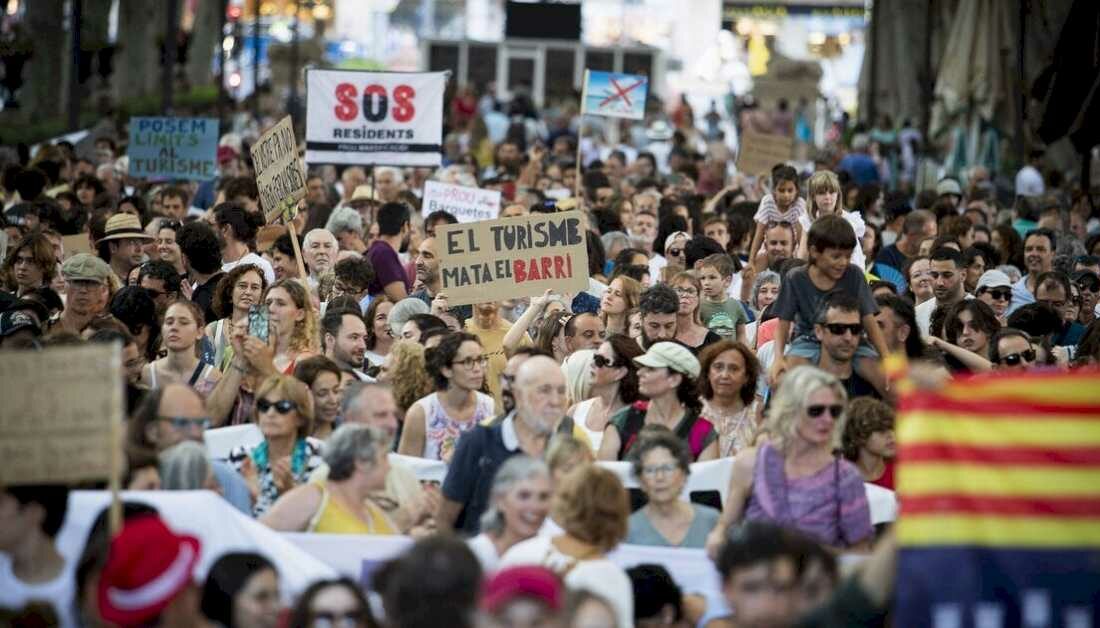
(580, 130)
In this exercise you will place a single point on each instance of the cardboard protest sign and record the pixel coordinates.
(78, 243)
(280, 173)
(762, 151)
(61, 406)
(614, 95)
(368, 118)
(466, 204)
(1000, 501)
(173, 148)
(512, 257)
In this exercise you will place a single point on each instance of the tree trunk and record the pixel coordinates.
(44, 88)
(204, 38)
(140, 34)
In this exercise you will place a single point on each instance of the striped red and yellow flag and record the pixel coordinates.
(999, 483)
(1002, 461)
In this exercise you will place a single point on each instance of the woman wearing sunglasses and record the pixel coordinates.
(995, 290)
(287, 455)
(614, 386)
(796, 479)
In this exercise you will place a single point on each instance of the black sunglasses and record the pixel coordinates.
(1014, 359)
(282, 406)
(817, 410)
(998, 294)
(602, 362)
(1088, 286)
(838, 329)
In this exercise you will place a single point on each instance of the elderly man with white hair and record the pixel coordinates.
(388, 182)
(319, 250)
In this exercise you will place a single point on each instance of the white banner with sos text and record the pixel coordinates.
(374, 118)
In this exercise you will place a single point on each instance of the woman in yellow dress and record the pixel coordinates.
(357, 466)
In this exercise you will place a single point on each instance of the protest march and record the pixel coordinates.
(420, 352)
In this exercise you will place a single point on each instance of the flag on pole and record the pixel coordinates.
(614, 95)
(999, 484)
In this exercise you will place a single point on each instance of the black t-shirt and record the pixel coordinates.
(859, 387)
(478, 455)
(203, 296)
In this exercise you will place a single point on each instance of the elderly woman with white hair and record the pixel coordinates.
(519, 502)
(797, 479)
(358, 462)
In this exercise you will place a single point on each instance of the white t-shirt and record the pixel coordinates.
(57, 593)
(860, 227)
(600, 576)
(252, 258)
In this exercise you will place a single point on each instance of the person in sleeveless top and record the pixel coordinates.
(181, 332)
(434, 423)
(357, 466)
(235, 293)
(292, 335)
(614, 387)
(727, 386)
(666, 375)
(796, 479)
(592, 507)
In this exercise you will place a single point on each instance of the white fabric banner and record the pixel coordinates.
(217, 525)
(369, 118)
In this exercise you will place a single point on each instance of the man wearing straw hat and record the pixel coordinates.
(121, 245)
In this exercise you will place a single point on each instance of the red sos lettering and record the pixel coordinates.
(375, 103)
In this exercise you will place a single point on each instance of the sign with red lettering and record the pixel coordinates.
(466, 204)
(368, 118)
(512, 257)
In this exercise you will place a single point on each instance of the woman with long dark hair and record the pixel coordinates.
(614, 386)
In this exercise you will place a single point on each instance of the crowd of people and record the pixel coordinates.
(726, 317)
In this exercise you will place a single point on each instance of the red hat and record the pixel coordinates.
(147, 567)
(522, 582)
(226, 153)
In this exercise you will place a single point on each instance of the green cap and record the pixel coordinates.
(85, 267)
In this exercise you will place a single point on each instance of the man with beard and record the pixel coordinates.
(540, 394)
(1039, 247)
(658, 306)
(319, 253)
(393, 235)
(839, 328)
(87, 291)
(430, 281)
(947, 272)
(345, 341)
